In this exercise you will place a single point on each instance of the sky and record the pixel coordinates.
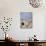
(26, 15)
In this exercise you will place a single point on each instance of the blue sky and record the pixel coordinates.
(26, 15)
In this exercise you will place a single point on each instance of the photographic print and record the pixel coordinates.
(26, 20)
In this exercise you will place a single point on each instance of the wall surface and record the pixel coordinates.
(12, 8)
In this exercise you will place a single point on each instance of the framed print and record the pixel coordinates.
(26, 20)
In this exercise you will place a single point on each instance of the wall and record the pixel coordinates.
(45, 28)
(12, 8)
